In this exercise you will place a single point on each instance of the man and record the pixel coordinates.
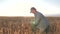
(40, 21)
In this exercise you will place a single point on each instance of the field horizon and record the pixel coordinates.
(20, 25)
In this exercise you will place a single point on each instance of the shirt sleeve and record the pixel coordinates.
(37, 21)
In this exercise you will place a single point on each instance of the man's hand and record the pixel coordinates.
(33, 27)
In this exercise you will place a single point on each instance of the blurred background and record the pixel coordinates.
(22, 7)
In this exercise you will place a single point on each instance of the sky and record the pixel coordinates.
(22, 7)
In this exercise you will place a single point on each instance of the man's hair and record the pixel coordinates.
(33, 8)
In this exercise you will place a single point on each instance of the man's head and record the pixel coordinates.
(33, 10)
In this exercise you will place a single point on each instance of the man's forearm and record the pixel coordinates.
(37, 22)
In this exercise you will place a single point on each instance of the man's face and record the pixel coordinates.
(33, 11)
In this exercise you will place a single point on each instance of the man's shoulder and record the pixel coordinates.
(39, 13)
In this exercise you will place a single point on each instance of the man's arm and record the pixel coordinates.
(37, 21)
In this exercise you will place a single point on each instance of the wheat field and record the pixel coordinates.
(21, 25)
